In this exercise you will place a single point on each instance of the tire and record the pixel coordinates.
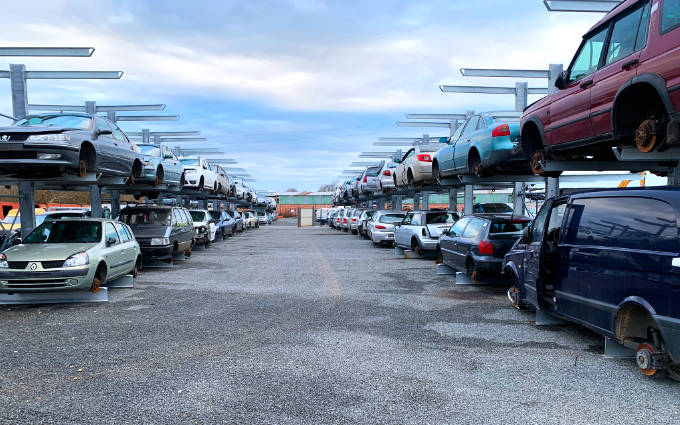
(158, 179)
(201, 184)
(98, 280)
(415, 247)
(436, 175)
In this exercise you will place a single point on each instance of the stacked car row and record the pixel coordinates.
(66, 251)
(50, 145)
(607, 259)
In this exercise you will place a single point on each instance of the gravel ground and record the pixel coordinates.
(310, 326)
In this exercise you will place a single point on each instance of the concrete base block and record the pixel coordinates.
(126, 281)
(443, 269)
(545, 319)
(60, 297)
(179, 257)
(398, 251)
(614, 350)
(156, 264)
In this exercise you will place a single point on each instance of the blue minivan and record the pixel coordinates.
(608, 260)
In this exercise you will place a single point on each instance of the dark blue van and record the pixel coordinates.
(608, 260)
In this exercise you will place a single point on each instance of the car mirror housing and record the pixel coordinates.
(561, 81)
(110, 241)
(17, 241)
(101, 131)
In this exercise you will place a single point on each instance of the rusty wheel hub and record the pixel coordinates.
(82, 168)
(647, 135)
(536, 162)
(96, 284)
(643, 357)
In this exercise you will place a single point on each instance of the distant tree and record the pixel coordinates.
(327, 188)
(292, 189)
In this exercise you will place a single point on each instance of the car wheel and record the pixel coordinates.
(410, 178)
(99, 278)
(82, 168)
(201, 184)
(415, 247)
(131, 178)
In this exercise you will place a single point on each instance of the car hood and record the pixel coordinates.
(150, 231)
(35, 129)
(46, 251)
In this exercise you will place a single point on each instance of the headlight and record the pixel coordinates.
(49, 155)
(160, 241)
(49, 138)
(3, 262)
(77, 260)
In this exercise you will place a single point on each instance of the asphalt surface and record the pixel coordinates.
(310, 326)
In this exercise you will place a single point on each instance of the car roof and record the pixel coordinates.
(101, 220)
(666, 192)
(611, 14)
(501, 217)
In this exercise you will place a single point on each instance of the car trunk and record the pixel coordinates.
(502, 242)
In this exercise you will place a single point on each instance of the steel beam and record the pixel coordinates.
(69, 75)
(469, 199)
(147, 117)
(163, 133)
(47, 51)
(102, 108)
(597, 6)
(509, 73)
(436, 116)
(490, 90)
(422, 124)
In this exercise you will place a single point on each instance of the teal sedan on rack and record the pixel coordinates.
(487, 143)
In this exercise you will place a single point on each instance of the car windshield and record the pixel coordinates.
(215, 214)
(66, 232)
(231, 213)
(512, 226)
(150, 150)
(189, 161)
(143, 216)
(496, 208)
(198, 215)
(392, 218)
(67, 121)
(441, 218)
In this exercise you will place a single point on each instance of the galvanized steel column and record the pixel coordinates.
(115, 203)
(95, 201)
(426, 201)
(26, 208)
(453, 199)
(517, 199)
(552, 187)
(469, 199)
(17, 80)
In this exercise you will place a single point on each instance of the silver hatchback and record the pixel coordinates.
(420, 230)
(380, 228)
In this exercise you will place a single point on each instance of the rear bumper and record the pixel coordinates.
(382, 236)
(157, 251)
(670, 333)
(488, 265)
(428, 244)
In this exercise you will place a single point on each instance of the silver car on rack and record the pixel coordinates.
(369, 180)
(381, 226)
(386, 181)
(420, 230)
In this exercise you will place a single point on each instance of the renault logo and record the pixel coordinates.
(4, 138)
(33, 266)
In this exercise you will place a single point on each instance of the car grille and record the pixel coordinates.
(18, 155)
(36, 283)
(18, 264)
(52, 264)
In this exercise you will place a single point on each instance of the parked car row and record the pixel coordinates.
(606, 259)
(70, 251)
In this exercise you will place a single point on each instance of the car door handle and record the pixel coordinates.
(630, 63)
(586, 84)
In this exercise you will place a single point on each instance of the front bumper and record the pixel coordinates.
(24, 156)
(46, 280)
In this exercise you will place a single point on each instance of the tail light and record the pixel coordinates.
(380, 227)
(386, 173)
(365, 179)
(501, 130)
(354, 219)
(344, 220)
(423, 157)
(486, 247)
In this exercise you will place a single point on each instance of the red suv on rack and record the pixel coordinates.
(622, 88)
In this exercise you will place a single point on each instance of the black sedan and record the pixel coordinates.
(476, 244)
(53, 144)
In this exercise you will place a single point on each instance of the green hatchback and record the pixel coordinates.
(70, 254)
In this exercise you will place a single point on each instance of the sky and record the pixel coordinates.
(292, 90)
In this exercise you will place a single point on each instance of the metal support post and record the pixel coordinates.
(521, 96)
(380, 204)
(416, 201)
(453, 199)
(90, 107)
(115, 203)
(552, 187)
(95, 201)
(26, 208)
(111, 115)
(674, 177)
(554, 71)
(518, 199)
(426, 201)
(397, 202)
(469, 199)
(17, 79)
(145, 135)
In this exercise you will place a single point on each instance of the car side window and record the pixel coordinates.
(110, 232)
(409, 154)
(622, 41)
(471, 125)
(588, 57)
(458, 228)
(473, 229)
(121, 231)
(176, 218)
(129, 231)
(538, 226)
(187, 217)
(117, 133)
(417, 220)
(670, 15)
(481, 123)
(101, 124)
(407, 219)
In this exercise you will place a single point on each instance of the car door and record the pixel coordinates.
(468, 240)
(533, 260)
(171, 165)
(107, 146)
(113, 255)
(462, 146)
(570, 110)
(403, 166)
(448, 244)
(401, 231)
(128, 253)
(621, 59)
(446, 155)
(124, 152)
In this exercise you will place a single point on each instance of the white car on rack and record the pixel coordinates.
(223, 184)
(198, 174)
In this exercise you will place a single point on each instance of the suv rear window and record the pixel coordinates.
(441, 218)
(624, 222)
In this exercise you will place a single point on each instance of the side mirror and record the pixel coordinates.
(561, 81)
(101, 131)
(110, 241)
(524, 239)
(16, 241)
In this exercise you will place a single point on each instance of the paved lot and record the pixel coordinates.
(310, 326)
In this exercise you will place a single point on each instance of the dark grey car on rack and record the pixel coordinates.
(62, 143)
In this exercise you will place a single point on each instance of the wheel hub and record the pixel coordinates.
(647, 135)
(536, 162)
(643, 357)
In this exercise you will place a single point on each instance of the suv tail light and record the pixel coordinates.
(380, 226)
(424, 157)
(365, 179)
(501, 130)
(386, 173)
(486, 247)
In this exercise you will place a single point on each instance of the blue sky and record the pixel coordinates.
(291, 89)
